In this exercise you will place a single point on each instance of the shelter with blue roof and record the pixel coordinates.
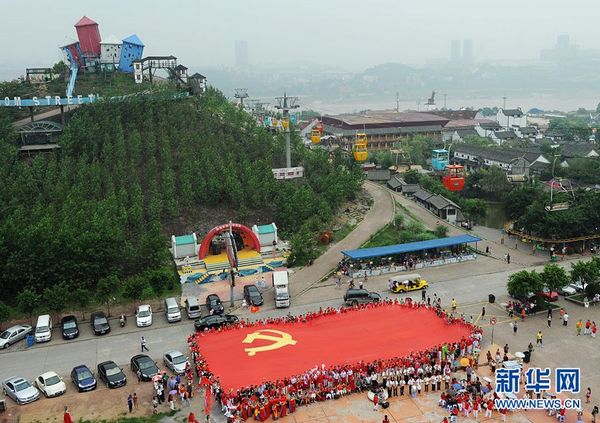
(410, 255)
(131, 49)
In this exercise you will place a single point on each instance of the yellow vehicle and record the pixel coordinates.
(359, 149)
(315, 136)
(406, 283)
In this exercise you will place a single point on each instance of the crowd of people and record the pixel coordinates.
(429, 370)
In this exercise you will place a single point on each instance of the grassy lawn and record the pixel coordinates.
(343, 232)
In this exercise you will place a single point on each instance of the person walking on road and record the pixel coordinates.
(453, 304)
(565, 318)
(515, 327)
(549, 320)
(423, 295)
(579, 326)
(588, 395)
(130, 403)
(538, 339)
(483, 313)
(507, 258)
(143, 343)
(135, 401)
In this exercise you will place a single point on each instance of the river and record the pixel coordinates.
(495, 216)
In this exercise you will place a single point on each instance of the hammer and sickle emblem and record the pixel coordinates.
(279, 341)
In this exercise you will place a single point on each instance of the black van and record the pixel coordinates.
(360, 296)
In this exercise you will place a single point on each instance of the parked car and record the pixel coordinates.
(43, 328)
(83, 378)
(209, 322)
(252, 295)
(567, 290)
(214, 304)
(360, 296)
(14, 334)
(143, 316)
(20, 390)
(192, 308)
(547, 295)
(69, 327)
(147, 367)
(50, 384)
(100, 324)
(111, 374)
(175, 361)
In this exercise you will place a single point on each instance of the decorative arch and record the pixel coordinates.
(250, 239)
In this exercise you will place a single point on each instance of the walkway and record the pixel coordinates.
(381, 213)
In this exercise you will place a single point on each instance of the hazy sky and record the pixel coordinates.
(347, 33)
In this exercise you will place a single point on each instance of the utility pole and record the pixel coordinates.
(241, 93)
(397, 102)
(285, 104)
(504, 102)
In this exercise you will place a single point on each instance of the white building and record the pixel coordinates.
(184, 246)
(110, 50)
(511, 118)
(266, 234)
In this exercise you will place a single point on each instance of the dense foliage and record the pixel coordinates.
(91, 217)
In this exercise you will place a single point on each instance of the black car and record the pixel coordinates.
(360, 296)
(214, 304)
(99, 322)
(252, 295)
(69, 327)
(83, 378)
(215, 321)
(111, 374)
(145, 365)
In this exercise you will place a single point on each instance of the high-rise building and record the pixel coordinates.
(241, 53)
(455, 51)
(467, 52)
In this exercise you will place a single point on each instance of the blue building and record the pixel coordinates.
(132, 49)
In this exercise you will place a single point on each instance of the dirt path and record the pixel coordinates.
(381, 213)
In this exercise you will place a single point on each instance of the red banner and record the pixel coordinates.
(250, 355)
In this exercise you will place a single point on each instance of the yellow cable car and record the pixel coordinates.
(359, 149)
(315, 136)
(285, 122)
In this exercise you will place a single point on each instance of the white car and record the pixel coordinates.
(143, 316)
(175, 361)
(14, 334)
(568, 290)
(50, 384)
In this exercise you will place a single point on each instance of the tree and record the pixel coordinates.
(441, 231)
(5, 312)
(554, 277)
(521, 284)
(56, 298)
(493, 182)
(81, 298)
(411, 176)
(585, 271)
(302, 247)
(135, 288)
(107, 290)
(27, 302)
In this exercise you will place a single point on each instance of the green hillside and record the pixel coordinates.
(101, 207)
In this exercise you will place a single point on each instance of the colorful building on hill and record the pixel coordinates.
(89, 37)
(110, 50)
(72, 52)
(131, 49)
(184, 245)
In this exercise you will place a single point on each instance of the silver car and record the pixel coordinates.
(175, 361)
(20, 390)
(14, 334)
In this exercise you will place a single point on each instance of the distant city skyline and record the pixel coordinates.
(348, 35)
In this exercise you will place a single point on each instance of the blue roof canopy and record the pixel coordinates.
(409, 247)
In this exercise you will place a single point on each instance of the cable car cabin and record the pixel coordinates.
(454, 177)
(359, 149)
(315, 136)
(439, 160)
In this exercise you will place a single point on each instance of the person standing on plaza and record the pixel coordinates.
(594, 413)
(453, 304)
(67, 418)
(549, 320)
(579, 326)
(423, 295)
(565, 318)
(130, 403)
(515, 327)
(538, 339)
(376, 402)
(507, 258)
(483, 313)
(588, 395)
(143, 344)
(135, 401)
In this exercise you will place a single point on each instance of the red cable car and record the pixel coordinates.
(454, 177)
